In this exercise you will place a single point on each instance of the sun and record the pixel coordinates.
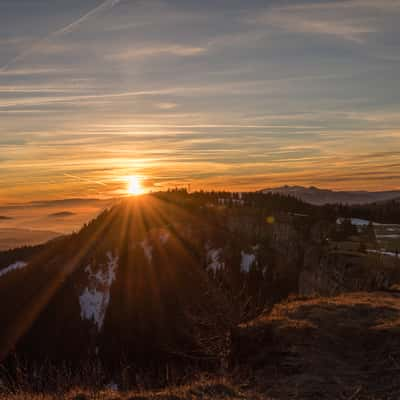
(134, 186)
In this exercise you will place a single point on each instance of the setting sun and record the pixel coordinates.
(134, 186)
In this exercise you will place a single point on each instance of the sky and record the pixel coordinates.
(233, 95)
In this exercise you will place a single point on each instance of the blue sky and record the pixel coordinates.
(221, 94)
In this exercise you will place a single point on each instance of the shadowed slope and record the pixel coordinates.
(72, 304)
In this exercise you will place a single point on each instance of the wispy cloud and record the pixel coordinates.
(106, 5)
(81, 178)
(241, 96)
(166, 106)
(383, 5)
(33, 71)
(158, 50)
(42, 100)
(321, 21)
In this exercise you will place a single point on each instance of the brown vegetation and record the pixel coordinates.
(346, 347)
(204, 389)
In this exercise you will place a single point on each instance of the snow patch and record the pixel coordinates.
(228, 201)
(164, 237)
(13, 267)
(364, 222)
(148, 249)
(214, 260)
(391, 236)
(247, 261)
(354, 221)
(112, 386)
(384, 253)
(387, 225)
(95, 298)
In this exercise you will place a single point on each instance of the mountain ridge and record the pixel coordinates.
(318, 196)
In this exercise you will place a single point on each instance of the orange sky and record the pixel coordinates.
(219, 95)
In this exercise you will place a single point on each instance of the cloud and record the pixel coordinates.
(56, 87)
(166, 106)
(42, 100)
(152, 51)
(62, 214)
(340, 29)
(229, 97)
(81, 178)
(17, 72)
(383, 5)
(330, 19)
(15, 41)
(106, 5)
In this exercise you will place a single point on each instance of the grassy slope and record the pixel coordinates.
(328, 348)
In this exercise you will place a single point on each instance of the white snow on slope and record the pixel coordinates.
(95, 298)
(364, 222)
(164, 236)
(112, 386)
(354, 221)
(214, 260)
(391, 236)
(395, 226)
(384, 253)
(13, 267)
(148, 249)
(247, 261)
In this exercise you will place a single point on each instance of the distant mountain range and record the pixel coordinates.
(314, 195)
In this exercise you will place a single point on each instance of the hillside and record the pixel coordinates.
(326, 348)
(161, 282)
(144, 264)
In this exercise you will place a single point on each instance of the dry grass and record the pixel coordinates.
(346, 347)
(205, 389)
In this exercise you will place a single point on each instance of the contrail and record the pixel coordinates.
(106, 5)
(102, 7)
(80, 178)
